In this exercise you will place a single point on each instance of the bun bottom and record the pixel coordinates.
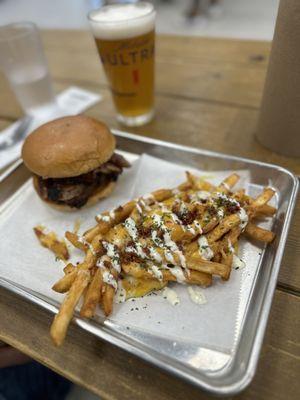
(100, 193)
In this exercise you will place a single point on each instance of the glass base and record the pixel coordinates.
(136, 121)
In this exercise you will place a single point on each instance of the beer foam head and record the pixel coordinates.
(122, 21)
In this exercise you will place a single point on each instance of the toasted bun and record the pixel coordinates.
(68, 146)
(101, 193)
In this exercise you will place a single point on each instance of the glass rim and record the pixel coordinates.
(90, 17)
(29, 28)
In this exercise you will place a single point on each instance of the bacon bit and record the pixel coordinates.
(146, 250)
(212, 211)
(144, 231)
(187, 217)
(107, 264)
(51, 242)
(233, 208)
(127, 258)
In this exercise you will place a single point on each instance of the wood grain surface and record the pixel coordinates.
(208, 93)
(116, 375)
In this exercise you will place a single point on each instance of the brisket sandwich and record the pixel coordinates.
(73, 161)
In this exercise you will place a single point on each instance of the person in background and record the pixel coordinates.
(21, 378)
(202, 7)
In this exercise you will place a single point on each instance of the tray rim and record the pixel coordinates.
(101, 331)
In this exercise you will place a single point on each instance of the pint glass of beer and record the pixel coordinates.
(124, 35)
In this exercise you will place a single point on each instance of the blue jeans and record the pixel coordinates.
(32, 381)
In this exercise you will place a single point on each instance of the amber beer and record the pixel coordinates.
(124, 35)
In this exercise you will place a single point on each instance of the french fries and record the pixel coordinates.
(187, 235)
(92, 296)
(257, 233)
(51, 242)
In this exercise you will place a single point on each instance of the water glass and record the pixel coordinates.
(23, 62)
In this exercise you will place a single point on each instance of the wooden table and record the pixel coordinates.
(208, 95)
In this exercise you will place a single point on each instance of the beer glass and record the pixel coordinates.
(124, 35)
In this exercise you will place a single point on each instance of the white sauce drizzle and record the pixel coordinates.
(155, 239)
(227, 198)
(204, 248)
(183, 208)
(169, 257)
(109, 279)
(156, 272)
(113, 255)
(226, 186)
(190, 229)
(107, 276)
(173, 246)
(196, 295)
(100, 262)
(171, 296)
(155, 255)
(105, 218)
(112, 214)
(243, 217)
(137, 249)
(82, 240)
(131, 228)
(198, 227)
(200, 195)
(139, 208)
(148, 197)
(172, 215)
(144, 205)
(177, 272)
(220, 213)
(237, 263)
(120, 296)
(230, 247)
(167, 244)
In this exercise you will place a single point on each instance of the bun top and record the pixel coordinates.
(68, 146)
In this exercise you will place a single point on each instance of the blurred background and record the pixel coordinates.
(242, 19)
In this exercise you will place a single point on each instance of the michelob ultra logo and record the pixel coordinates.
(126, 52)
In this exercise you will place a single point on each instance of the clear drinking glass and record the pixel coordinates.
(23, 62)
(125, 36)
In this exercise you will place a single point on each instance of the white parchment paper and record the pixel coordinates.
(25, 262)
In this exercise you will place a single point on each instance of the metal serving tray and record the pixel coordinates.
(231, 373)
